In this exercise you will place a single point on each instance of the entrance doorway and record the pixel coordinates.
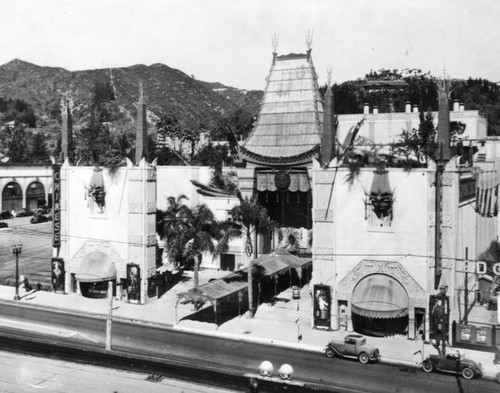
(380, 306)
(227, 262)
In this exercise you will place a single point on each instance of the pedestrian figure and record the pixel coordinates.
(497, 355)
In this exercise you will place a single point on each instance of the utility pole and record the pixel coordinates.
(466, 289)
(109, 316)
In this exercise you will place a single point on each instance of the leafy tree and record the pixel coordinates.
(253, 219)
(422, 143)
(38, 151)
(14, 143)
(95, 144)
(102, 94)
(184, 141)
(17, 110)
(491, 256)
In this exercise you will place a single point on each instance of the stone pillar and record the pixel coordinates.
(142, 222)
(411, 322)
(67, 132)
(444, 134)
(328, 138)
(141, 138)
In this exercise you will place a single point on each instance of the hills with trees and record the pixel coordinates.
(182, 108)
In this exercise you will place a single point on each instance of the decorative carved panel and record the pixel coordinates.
(447, 179)
(95, 245)
(446, 220)
(151, 240)
(151, 174)
(392, 269)
(151, 207)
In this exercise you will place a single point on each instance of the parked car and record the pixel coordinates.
(4, 225)
(353, 346)
(5, 215)
(38, 218)
(453, 363)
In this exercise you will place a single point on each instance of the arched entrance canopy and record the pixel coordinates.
(380, 296)
(96, 266)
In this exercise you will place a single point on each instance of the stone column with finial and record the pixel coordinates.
(141, 138)
(327, 149)
(67, 131)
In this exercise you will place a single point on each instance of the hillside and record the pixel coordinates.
(166, 90)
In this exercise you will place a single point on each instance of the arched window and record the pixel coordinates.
(35, 196)
(12, 197)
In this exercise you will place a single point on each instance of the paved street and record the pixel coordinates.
(34, 261)
(24, 373)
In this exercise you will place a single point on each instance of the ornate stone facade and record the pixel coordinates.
(94, 245)
(392, 269)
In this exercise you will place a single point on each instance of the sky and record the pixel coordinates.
(230, 41)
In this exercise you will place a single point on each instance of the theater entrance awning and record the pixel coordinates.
(380, 296)
(96, 266)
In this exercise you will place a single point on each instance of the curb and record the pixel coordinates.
(229, 336)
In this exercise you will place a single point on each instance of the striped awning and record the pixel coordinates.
(96, 266)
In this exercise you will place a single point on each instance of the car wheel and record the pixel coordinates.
(428, 367)
(467, 373)
(363, 358)
(329, 353)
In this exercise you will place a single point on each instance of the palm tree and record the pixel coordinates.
(170, 222)
(190, 233)
(254, 220)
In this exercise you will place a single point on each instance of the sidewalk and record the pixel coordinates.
(272, 324)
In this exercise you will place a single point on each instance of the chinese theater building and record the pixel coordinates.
(385, 240)
(275, 161)
(107, 224)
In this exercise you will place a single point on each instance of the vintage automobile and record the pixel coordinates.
(39, 217)
(453, 363)
(353, 346)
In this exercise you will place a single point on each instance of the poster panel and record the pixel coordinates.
(133, 282)
(57, 272)
(439, 311)
(322, 306)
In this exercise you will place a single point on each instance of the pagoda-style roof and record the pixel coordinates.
(289, 124)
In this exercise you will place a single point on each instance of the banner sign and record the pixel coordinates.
(322, 305)
(133, 281)
(56, 204)
(58, 272)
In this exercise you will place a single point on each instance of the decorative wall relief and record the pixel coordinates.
(393, 269)
(93, 245)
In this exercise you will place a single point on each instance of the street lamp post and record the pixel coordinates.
(16, 250)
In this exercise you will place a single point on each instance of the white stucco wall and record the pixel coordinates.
(84, 223)
(175, 181)
(385, 128)
(24, 175)
(405, 241)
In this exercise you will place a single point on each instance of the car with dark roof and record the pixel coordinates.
(454, 363)
(353, 346)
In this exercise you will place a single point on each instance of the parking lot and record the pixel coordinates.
(34, 261)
